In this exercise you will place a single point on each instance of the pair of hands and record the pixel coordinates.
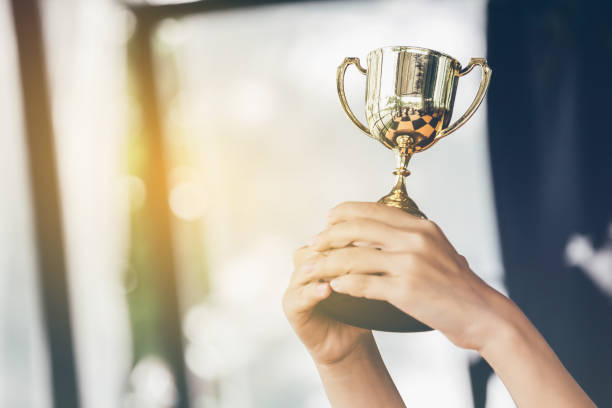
(378, 252)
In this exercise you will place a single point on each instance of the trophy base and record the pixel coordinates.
(398, 198)
(369, 314)
(403, 202)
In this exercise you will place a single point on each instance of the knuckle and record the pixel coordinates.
(341, 208)
(462, 262)
(418, 240)
(430, 226)
(409, 260)
(409, 282)
(299, 255)
(321, 237)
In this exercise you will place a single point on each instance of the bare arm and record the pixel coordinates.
(347, 358)
(377, 252)
(361, 380)
(527, 365)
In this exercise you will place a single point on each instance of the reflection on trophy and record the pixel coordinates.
(410, 93)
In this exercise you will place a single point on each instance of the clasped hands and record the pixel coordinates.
(378, 252)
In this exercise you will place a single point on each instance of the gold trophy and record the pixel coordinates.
(410, 93)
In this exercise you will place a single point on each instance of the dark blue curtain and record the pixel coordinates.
(549, 110)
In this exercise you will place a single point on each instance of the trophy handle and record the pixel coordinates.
(482, 90)
(340, 84)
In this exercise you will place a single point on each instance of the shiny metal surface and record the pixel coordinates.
(410, 93)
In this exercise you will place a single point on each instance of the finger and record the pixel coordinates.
(303, 261)
(375, 211)
(303, 299)
(357, 230)
(302, 254)
(351, 260)
(388, 215)
(302, 274)
(364, 286)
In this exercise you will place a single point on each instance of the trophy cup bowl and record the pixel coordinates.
(409, 99)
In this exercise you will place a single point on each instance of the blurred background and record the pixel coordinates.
(161, 160)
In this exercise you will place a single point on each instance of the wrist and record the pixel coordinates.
(497, 323)
(505, 330)
(364, 351)
(360, 379)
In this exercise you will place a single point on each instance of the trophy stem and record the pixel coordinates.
(398, 197)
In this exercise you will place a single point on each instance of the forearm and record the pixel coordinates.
(360, 380)
(527, 365)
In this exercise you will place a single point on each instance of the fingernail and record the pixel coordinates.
(335, 284)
